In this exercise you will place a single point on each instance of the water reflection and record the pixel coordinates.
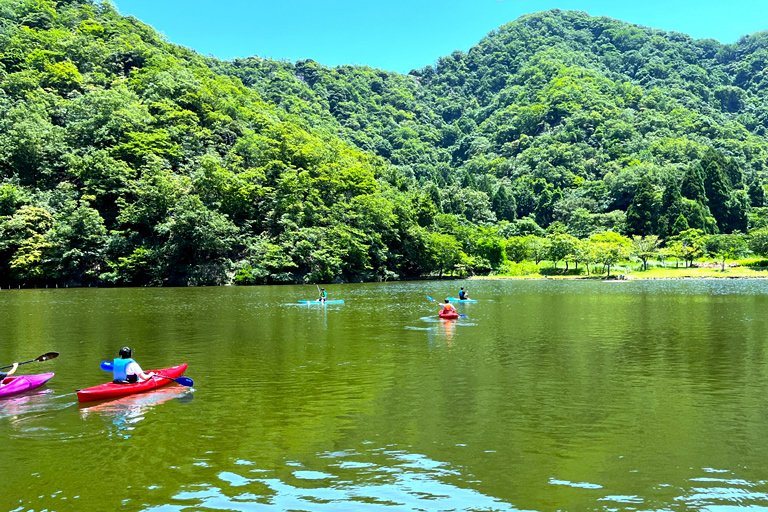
(30, 416)
(447, 329)
(29, 402)
(375, 480)
(124, 413)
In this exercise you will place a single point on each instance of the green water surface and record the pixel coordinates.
(547, 396)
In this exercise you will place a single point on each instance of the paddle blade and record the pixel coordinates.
(185, 381)
(49, 355)
(107, 366)
(430, 298)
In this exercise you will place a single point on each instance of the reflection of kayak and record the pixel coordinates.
(320, 302)
(449, 315)
(134, 402)
(22, 383)
(111, 390)
(461, 300)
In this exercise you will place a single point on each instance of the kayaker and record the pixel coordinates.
(447, 307)
(323, 295)
(3, 375)
(463, 295)
(127, 371)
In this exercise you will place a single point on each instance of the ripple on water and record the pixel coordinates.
(375, 480)
(29, 416)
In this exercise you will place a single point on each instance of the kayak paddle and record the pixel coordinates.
(184, 381)
(433, 300)
(108, 366)
(44, 357)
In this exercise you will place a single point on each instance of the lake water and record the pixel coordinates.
(548, 395)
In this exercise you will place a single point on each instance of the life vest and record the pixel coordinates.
(448, 308)
(119, 367)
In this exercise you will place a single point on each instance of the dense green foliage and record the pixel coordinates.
(125, 159)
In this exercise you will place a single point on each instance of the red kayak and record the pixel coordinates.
(449, 314)
(112, 390)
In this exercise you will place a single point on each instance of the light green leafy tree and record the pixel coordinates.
(610, 248)
(724, 247)
(645, 247)
(445, 252)
(517, 248)
(758, 241)
(561, 245)
(538, 247)
(691, 244)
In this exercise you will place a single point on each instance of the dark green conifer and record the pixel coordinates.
(671, 207)
(692, 186)
(641, 214)
(680, 225)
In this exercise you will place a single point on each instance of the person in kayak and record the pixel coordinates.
(3, 375)
(463, 295)
(127, 371)
(447, 307)
(323, 295)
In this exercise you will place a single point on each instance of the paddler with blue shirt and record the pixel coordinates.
(463, 295)
(127, 371)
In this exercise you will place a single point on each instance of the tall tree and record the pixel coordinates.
(738, 212)
(718, 193)
(671, 207)
(503, 204)
(641, 214)
(756, 193)
(692, 185)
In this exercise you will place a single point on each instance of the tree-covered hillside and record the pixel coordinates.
(128, 160)
(125, 159)
(559, 113)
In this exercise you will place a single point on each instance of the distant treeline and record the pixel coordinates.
(127, 160)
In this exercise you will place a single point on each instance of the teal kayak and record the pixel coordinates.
(319, 302)
(460, 300)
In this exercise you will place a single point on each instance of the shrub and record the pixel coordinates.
(754, 262)
(509, 268)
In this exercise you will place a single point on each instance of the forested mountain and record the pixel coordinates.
(125, 159)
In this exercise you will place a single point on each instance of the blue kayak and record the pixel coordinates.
(460, 300)
(320, 302)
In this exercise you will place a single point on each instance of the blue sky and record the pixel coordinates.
(400, 35)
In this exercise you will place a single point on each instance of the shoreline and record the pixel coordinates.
(609, 279)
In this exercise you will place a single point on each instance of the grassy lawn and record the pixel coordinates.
(693, 272)
(653, 272)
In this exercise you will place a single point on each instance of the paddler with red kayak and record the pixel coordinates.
(126, 370)
(448, 310)
(129, 378)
